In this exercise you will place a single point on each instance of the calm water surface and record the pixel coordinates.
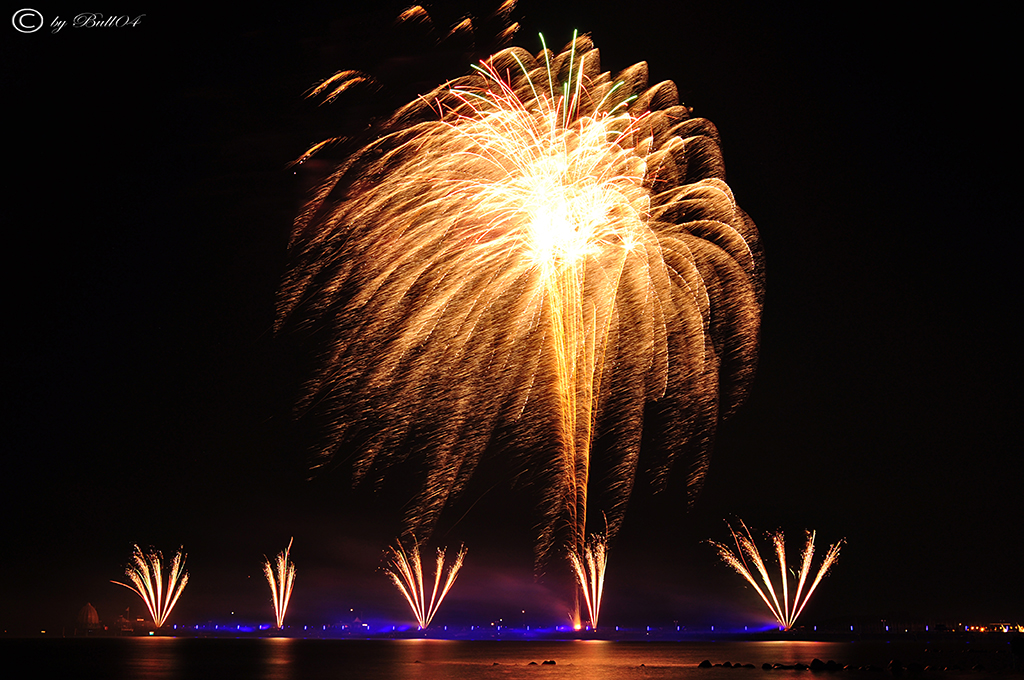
(167, 658)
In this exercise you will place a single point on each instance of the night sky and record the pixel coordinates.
(147, 211)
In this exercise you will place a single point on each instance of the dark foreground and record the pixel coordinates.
(292, 658)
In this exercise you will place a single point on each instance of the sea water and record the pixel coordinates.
(174, 658)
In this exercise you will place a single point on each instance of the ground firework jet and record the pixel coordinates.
(146, 573)
(538, 237)
(746, 560)
(405, 569)
(280, 576)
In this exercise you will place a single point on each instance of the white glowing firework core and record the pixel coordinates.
(570, 205)
(564, 192)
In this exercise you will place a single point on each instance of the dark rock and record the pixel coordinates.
(550, 662)
(914, 667)
(766, 666)
(817, 665)
(704, 664)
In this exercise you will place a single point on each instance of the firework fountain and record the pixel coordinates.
(535, 248)
(406, 571)
(788, 611)
(281, 578)
(146, 574)
(589, 570)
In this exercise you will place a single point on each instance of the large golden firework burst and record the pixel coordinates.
(537, 257)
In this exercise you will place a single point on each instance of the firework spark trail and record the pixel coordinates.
(281, 578)
(535, 238)
(146, 574)
(406, 571)
(789, 611)
(589, 569)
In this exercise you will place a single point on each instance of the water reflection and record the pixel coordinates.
(278, 658)
(152, 657)
(163, 658)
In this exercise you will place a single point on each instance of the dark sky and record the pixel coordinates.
(148, 207)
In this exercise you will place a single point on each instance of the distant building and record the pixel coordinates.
(87, 620)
